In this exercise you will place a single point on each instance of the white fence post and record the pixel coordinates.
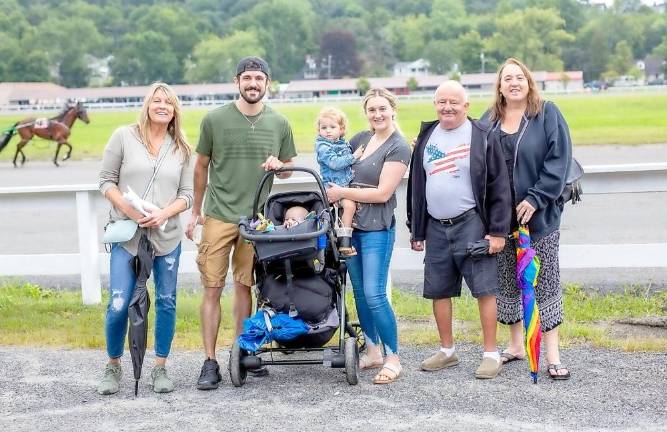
(91, 287)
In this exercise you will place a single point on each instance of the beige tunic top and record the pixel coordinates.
(127, 162)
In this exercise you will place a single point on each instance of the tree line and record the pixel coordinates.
(199, 41)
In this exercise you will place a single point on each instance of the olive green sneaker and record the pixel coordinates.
(161, 382)
(438, 361)
(110, 382)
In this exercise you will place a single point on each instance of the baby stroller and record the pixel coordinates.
(292, 279)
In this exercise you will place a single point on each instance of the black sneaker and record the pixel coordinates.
(210, 377)
(261, 372)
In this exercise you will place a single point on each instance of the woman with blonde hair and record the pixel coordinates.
(384, 158)
(151, 157)
(536, 142)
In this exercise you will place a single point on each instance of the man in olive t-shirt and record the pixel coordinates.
(238, 142)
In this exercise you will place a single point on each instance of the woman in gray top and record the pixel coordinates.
(131, 156)
(377, 174)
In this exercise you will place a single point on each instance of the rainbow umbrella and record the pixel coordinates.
(527, 269)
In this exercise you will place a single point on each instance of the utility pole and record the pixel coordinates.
(329, 67)
(481, 58)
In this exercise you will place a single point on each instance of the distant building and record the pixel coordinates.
(641, 65)
(417, 68)
(600, 4)
(320, 88)
(659, 6)
(300, 89)
(49, 94)
(32, 93)
(654, 68)
(185, 92)
(628, 81)
(570, 81)
(483, 82)
(100, 71)
(310, 69)
(348, 87)
(53, 95)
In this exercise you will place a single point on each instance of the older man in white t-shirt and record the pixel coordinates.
(458, 194)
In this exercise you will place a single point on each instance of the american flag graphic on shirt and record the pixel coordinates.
(446, 161)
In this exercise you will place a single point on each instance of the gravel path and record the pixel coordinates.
(54, 389)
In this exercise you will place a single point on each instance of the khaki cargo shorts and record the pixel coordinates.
(217, 241)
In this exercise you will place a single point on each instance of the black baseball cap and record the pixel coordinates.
(253, 64)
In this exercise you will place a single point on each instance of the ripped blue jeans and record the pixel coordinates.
(121, 287)
(369, 270)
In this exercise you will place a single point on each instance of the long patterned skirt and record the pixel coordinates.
(548, 292)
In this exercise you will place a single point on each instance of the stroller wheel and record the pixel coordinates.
(354, 330)
(237, 372)
(351, 361)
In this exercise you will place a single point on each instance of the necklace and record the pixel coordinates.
(253, 123)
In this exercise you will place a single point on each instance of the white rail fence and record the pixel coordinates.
(91, 264)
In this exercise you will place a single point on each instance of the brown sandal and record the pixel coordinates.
(388, 374)
(366, 363)
(347, 251)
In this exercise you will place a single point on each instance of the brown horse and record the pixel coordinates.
(57, 129)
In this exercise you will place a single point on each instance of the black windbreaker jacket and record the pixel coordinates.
(543, 158)
(490, 182)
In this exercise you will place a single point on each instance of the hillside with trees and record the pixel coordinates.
(199, 41)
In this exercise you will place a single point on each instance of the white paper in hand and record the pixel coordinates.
(142, 206)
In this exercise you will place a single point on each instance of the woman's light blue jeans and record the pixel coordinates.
(368, 274)
(121, 287)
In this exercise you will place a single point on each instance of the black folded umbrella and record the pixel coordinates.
(478, 249)
(137, 332)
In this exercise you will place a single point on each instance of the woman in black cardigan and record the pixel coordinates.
(536, 142)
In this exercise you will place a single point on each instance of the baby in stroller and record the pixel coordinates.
(294, 216)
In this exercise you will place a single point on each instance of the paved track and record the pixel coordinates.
(36, 173)
(599, 219)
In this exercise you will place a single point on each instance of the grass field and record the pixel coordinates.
(34, 316)
(593, 119)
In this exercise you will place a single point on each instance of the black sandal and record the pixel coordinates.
(506, 357)
(553, 369)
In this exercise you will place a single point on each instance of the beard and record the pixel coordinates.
(252, 99)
